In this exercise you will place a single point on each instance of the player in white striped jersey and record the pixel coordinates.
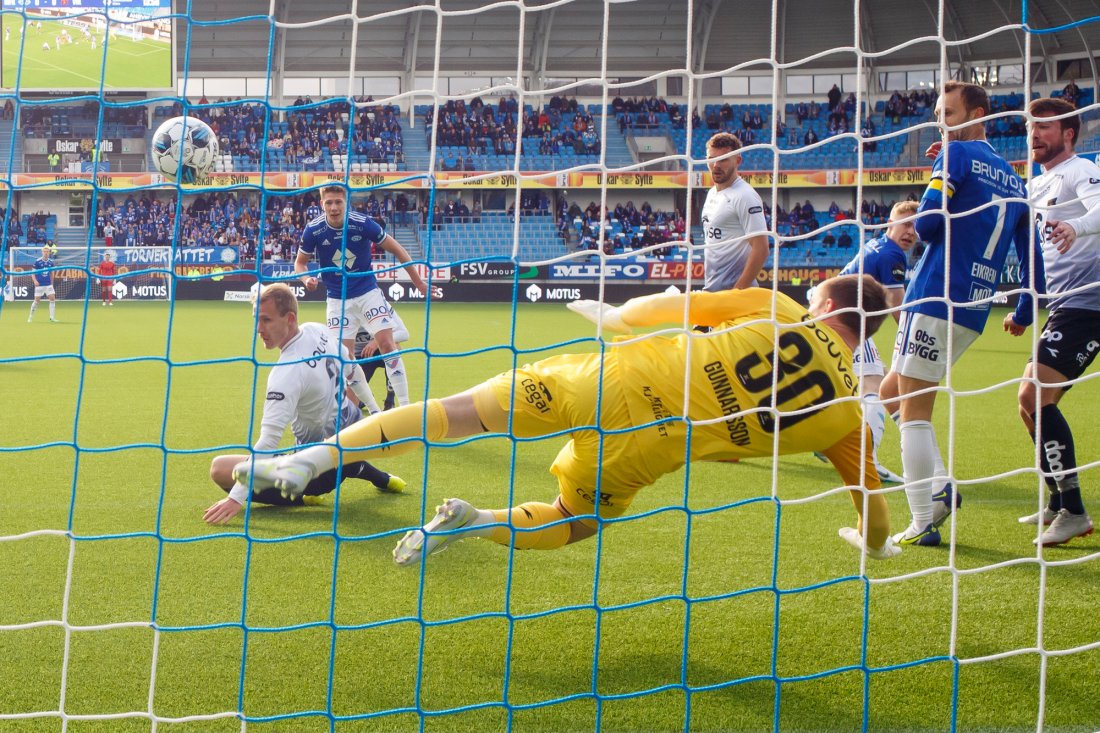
(1066, 201)
(305, 391)
(731, 213)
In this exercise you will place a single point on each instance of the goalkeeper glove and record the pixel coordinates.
(602, 314)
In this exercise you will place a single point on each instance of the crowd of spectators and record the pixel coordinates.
(476, 126)
(309, 130)
(627, 228)
(480, 129)
(45, 120)
(913, 104)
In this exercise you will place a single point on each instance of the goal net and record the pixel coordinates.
(722, 600)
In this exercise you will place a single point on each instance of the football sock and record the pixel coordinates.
(939, 470)
(395, 371)
(918, 459)
(34, 307)
(53, 305)
(1054, 500)
(367, 472)
(363, 440)
(1061, 457)
(359, 384)
(874, 414)
(529, 516)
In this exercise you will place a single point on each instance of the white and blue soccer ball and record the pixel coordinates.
(184, 149)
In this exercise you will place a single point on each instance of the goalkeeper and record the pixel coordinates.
(626, 406)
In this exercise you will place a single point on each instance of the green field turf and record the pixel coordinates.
(698, 614)
(130, 64)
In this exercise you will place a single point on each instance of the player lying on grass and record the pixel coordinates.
(626, 406)
(301, 392)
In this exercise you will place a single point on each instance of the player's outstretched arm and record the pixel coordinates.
(704, 308)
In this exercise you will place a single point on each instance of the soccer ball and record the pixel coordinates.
(184, 149)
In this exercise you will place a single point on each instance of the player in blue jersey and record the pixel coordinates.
(883, 258)
(974, 206)
(354, 299)
(1066, 198)
(43, 284)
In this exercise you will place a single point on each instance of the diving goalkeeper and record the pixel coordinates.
(631, 401)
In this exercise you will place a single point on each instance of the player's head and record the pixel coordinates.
(904, 233)
(961, 103)
(723, 172)
(334, 202)
(277, 318)
(107, 256)
(1052, 141)
(843, 292)
(45, 251)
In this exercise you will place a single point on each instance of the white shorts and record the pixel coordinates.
(369, 311)
(920, 350)
(867, 362)
(40, 290)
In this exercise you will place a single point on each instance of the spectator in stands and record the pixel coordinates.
(844, 241)
(1071, 93)
(834, 98)
(868, 130)
(810, 137)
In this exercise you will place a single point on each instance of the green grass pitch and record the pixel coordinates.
(130, 64)
(703, 632)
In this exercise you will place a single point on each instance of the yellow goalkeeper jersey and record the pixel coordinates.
(755, 359)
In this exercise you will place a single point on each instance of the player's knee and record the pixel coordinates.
(221, 472)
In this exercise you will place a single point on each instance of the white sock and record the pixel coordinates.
(34, 307)
(918, 459)
(52, 304)
(318, 456)
(940, 468)
(395, 370)
(874, 414)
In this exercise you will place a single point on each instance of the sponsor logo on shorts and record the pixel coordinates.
(605, 498)
(536, 394)
(923, 346)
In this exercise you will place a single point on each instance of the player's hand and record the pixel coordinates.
(609, 316)
(221, 512)
(1061, 235)
(310, 283)
(435, 292)
(1012, 327)
(933, 150)
(369, 349)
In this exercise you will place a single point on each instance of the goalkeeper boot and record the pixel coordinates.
(451, 517)
(1046, 517)
(289, 474)
(821, 457)
(927, 537)
(1064, 528)
(943, 503)
(852, 537)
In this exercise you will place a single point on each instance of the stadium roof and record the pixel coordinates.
(564, 38)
